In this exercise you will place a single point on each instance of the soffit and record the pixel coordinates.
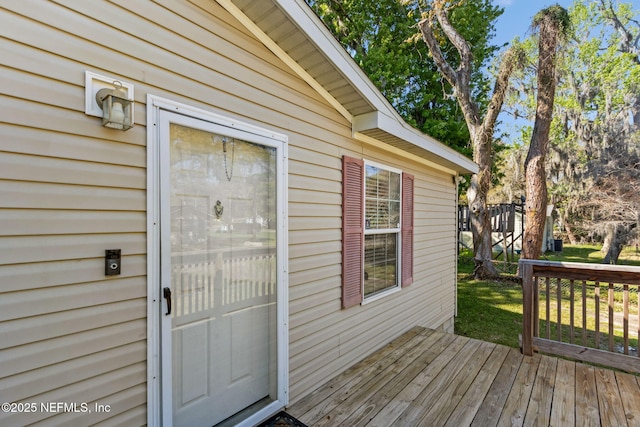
(277, 20)
(293, 27)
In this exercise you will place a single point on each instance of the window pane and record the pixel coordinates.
(382, 199)
(371, 213)
(372, 182)
(380, 258)
(394, 186)
(394, 214)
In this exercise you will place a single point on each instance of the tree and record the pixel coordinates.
(552, 23)
(594, 155)
(380, 36)
(602, 116)
(479, 121)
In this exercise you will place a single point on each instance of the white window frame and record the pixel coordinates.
(368, 232)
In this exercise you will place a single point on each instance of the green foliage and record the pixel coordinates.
(381, 37)
(557, 14)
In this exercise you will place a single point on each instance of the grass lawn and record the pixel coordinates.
(491, 310)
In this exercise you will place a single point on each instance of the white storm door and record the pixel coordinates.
(219, 270)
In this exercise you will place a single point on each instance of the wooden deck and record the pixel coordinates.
(428, 378)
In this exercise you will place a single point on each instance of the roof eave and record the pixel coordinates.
(400, 135)
(372, 116)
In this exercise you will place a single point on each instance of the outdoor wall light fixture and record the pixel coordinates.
(116, 108)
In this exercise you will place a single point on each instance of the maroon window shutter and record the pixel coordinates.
(407, 229)
(352, 230)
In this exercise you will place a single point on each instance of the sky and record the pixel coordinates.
(516, 21)
(517, 17)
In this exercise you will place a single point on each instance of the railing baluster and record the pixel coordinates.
(536, 308)
(571, 311)
(189, 309)
(178, 292)
(548, 306)
(584, 312)
(200, 288)
(559, 306)
(611, 319)
(625, 320)
(211, 285)
(597, 301)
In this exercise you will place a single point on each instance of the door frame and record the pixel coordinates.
(159, 401)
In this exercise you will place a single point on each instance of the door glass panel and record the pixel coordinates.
(223, 275)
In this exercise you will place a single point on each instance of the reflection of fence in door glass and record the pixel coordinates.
(242, 279)
(223, 237)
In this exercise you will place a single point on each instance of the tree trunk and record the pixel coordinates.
(617, 237)
(535, 174)
(609, 232)
(536, 204)
(479, 215)
(480, 129)
(569, 229)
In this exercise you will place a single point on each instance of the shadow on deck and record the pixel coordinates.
(429, 378)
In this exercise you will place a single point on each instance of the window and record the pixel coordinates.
(382, 228)
(377, 230)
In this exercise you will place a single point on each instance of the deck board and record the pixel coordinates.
(466, 410)
(452, 393)
(630, 395)
(587, 411)
(564, 394)
(515, 407)
(611, 410)
(539, 409)
(431, 378)
(493, 402)
(387, 415)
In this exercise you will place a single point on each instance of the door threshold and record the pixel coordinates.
(247, 412)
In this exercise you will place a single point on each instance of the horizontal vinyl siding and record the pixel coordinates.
(69, 189)
(325, 339)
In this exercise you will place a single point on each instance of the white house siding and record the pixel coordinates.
(69, 189)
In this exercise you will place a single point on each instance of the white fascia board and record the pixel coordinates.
(310, 24)
(280, 53)
(385, 118)
(377, 120)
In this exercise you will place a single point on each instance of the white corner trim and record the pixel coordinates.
(154, 398)
(284, 57)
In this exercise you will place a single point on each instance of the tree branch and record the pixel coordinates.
(513, 58)
(627, 43)
(460, 79)
(438, 57)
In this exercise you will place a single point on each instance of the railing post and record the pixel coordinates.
(526, 273)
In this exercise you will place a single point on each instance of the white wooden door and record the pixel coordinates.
(219, 269)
